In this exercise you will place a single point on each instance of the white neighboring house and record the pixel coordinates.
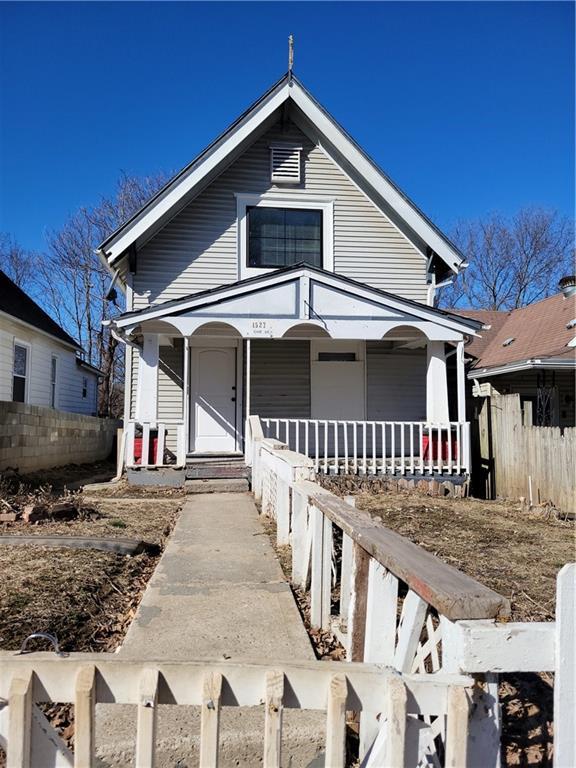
(40, 364)
(283, 274)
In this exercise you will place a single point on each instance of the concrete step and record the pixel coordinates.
(212, 470)
(217, 485)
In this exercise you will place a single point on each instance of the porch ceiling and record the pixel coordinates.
(273, 305)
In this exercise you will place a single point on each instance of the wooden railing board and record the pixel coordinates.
(453, 593)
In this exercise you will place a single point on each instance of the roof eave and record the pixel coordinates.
(465, 326)
(522, 365)
(287, 87)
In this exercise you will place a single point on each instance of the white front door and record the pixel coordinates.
(213, 395)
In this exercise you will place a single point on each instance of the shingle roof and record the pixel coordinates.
(14, 302)
(538, 331)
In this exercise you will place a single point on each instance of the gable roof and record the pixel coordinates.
(214, 296)
(335, 141)
(539, 332)
(16, 303)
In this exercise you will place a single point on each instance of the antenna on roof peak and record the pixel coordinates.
(290, 56)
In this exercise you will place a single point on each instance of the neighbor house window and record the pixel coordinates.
(84, 387)
(282, 237)
(53, 366)
(20, 373)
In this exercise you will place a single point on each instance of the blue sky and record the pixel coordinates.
(469, 107)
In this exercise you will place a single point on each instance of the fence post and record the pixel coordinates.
(565, 672)
(484, 725)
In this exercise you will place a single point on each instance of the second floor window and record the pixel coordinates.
(282, 237)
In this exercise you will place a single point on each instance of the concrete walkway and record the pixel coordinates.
(218, 592)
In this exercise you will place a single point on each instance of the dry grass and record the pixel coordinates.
(517, 553)
(86, 597)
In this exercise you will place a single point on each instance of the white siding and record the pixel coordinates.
(197, 250)
(170, 372)
(41, 350)
(396, 383)
(280, 379)
(170, 382)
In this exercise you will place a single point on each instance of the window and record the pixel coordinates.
(19, 373)
(282, 237)
(84, 387)
(337, 357)
(53, 366)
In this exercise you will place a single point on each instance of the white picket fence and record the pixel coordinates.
(90, 679)
(391, 602)
(376, 447)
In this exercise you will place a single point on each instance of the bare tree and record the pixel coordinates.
(74, 282)
(18, 263)
(512, 262)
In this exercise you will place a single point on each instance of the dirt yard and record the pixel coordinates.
(516, 552)
(86, 597)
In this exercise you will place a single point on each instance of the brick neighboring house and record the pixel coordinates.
(529, 351)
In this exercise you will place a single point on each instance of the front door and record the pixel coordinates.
(213, 396)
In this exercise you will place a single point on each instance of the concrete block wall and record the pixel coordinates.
(33, 437)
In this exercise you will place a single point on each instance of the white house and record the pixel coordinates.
(283, 274)
(40, 364)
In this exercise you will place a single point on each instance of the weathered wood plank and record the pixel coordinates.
(317, 531)
(358, 604)
(147, 719)
(457, 728)
(121, 545)
(326, 572)
(336, 722)
(409, 631)
(476, 647)
(84, 709)
(451, 592)
(118, 681)
(20, 719)
(273, 718)
(210, 720)
(381, 612)
(346, 574)
(389, 747)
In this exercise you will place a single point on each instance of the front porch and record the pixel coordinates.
(358, 386)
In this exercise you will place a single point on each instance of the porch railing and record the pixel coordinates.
(376, 447)
(148, 444)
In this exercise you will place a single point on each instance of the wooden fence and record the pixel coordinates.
(537, 463)
(391, 602)
(330, 687)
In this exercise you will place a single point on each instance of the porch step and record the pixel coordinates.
(212, 470)
(217, 485)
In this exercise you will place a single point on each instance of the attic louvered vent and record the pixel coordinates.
(285, 163)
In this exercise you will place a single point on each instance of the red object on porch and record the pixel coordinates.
(152, 450)
(443, 447)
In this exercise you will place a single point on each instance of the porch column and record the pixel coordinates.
(147, 393)
(185, 446)
(248, 368)
(436, 384)
(461, 381)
